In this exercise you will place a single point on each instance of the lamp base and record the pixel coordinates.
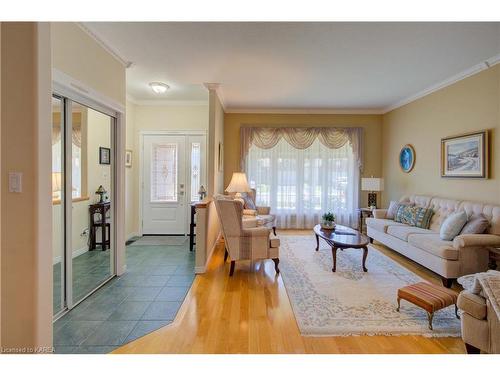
(372, 199)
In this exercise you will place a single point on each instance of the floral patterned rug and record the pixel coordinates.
(350, 301)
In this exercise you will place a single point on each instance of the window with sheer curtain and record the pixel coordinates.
(302, 184)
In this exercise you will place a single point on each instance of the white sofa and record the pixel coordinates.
(464, 255)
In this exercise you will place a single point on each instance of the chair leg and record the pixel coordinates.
(231, 270)
(276, 262)
(225, 255)
(274, 230)
(447, 283)
(472, 349)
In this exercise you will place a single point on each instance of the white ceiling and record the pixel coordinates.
(369, 66)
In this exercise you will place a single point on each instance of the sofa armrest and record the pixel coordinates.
(263, 210)
(379, 213)
(248, 212)
(476, 240)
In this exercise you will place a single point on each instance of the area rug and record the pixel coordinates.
(160, 241)
(350, 301)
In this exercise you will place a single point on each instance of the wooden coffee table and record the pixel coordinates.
(342, 238)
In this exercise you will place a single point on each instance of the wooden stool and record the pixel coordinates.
(429, 297)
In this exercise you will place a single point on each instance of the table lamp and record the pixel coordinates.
(372, 185)
(238, 185)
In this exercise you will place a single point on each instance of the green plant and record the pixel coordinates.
(328, 216)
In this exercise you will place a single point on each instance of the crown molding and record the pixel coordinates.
(214, 86)
(168, 103)
(307, 111)
(447, 82)
(104, 45)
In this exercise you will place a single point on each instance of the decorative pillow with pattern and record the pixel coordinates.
(419, 217)
(249, 203)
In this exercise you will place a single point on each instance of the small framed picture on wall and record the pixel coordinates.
(128, 158)
(104, 155)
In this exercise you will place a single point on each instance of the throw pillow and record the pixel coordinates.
(452, 225)
(477, 224)
(249, 203)
(415, 216)
(391, 211)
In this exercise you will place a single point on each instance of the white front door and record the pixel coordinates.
(164, 193)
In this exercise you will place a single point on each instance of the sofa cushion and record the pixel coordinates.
(416, 216)
(434, 245)
(442, 208)
(472, 304)
(492, 213)
(452, 225)
(402, 232)
(391, 211)
(249, 203)
(477, 224)
(381, 224)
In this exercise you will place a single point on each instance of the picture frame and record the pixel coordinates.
(465, 155)
(104, 155)
(128, 158)
(407, 158)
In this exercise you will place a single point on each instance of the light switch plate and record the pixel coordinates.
(15, 182)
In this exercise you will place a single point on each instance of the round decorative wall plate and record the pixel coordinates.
(407, 158)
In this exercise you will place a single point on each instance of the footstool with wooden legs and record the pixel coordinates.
(429, 297)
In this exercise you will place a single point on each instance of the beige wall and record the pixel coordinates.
(26, 292)
(131, 183)
(372, 125)
(75, 53)
(468, 105)
(215, 140)
(154, 118)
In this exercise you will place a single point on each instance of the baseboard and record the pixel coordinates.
(132, 235)
(75, 254)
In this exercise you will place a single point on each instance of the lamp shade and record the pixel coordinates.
(238, 184)
(372, 184)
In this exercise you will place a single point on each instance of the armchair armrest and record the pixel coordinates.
(256, 232)
(476, 240)
(380, 213)
(263, 210)
(249, 212)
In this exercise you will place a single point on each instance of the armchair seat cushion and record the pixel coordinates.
(472, 304)
(381, 224)
(402, 232)
(434, 245)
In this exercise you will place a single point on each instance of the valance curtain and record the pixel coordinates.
(76, 134)
(302, 173)
(301, 138)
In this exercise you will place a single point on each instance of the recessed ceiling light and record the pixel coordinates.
(159, 87)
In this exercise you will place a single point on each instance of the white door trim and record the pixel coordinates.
(144, 133)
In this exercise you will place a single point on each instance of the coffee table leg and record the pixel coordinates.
(334, 255)
(317, 242)
(365, 255)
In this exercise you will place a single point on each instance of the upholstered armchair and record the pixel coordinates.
(244, 243)
(262, 214)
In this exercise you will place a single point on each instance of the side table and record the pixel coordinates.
(363, 213)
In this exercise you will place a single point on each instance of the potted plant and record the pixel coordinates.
(328, 221)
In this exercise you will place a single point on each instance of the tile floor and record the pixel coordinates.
(146, 298)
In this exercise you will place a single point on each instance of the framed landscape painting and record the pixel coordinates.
(465, 155)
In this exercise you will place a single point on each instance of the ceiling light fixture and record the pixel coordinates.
(159, 87)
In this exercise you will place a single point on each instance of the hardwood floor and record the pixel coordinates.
(251, 313)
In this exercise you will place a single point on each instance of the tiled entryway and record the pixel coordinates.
(146, 298)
